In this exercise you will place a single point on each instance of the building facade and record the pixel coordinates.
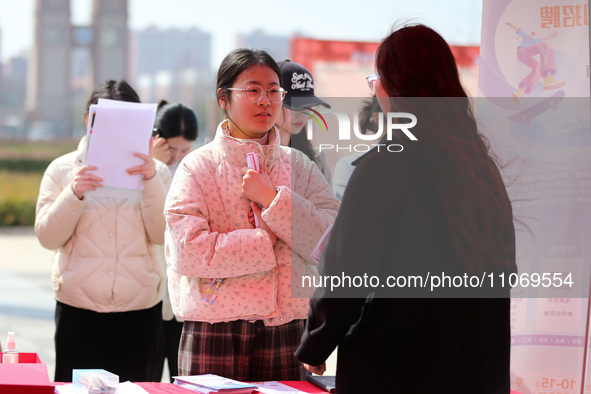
(51, 94)
(173, 50)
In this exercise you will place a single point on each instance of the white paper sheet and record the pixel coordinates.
(274, 387)
(124, 388)
(106, 103)
(116, 131)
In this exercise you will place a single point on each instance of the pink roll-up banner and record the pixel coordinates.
(534, 108)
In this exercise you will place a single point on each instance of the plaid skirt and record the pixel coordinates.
(242, 350)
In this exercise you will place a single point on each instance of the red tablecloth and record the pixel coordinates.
(169, 388)
(305, 386)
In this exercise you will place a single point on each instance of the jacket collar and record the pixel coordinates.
(234, 150)
(81, 151)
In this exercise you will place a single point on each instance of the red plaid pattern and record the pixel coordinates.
(241, 350)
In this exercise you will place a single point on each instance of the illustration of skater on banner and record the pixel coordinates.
(545, 67)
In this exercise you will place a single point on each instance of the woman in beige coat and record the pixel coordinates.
(106, 281)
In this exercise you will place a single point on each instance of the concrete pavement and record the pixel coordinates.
(26, 300)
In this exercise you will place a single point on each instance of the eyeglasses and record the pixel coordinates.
(255, 93)
(372, 79)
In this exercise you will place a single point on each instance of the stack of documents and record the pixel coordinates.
(274, 387)
(213, 384)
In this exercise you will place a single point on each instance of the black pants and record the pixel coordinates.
(123, 343)
(168, 348)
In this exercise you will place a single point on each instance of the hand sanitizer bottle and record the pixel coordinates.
(10, 356)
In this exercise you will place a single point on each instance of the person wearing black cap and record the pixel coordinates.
(298, 82)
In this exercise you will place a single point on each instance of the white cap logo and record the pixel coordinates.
(302, 81)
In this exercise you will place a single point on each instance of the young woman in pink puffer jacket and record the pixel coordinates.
(239, 287)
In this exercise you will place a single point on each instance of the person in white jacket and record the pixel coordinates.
(107, 282)
(238, 287)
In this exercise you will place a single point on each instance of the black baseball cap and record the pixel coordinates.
(298, 82)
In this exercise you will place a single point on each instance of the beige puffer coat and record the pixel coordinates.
(103, 258)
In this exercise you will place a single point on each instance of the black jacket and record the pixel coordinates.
(391, 224)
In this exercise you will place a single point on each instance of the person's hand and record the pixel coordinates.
(148, 169)
(161, 150)
(251, 219)
(256, 210)
(257, 187)
(83, 181)
(317, 369)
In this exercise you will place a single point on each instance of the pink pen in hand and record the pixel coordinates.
(252, 161)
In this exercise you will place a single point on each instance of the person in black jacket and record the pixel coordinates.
(438, 208)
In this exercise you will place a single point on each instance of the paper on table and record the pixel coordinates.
(65, 388)
(114, 136)
(130, 388)
(276, 387)
(215, 382)
(124, 388)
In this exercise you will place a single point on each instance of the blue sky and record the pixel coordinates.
(458, 21)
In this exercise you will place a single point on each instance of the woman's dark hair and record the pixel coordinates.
(113, 90)
(161, 104)
(176, 120)
(366, 113)
(236, 62)
(415, 61)
(421, 64)
(301, 142)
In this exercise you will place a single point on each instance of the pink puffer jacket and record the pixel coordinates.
(208, 235)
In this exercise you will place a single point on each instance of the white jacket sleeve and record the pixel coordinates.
(152, 207)
(193, 250)
(58, 209)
